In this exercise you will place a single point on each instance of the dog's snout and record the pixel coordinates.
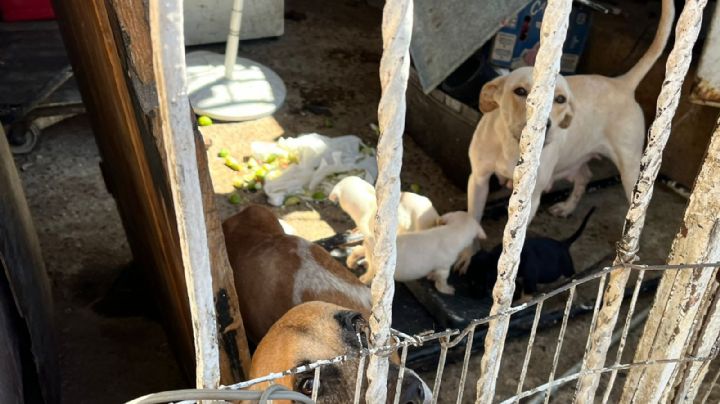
(413, 390)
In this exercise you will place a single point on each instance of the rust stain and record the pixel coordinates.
(703, 90)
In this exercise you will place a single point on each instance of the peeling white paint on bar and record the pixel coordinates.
(166, 24)
(394, 72)
(677, 66)
(539, 103)
(677, 315)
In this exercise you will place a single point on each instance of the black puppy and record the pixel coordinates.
(543, 260)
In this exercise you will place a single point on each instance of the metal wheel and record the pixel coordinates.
(23, 137)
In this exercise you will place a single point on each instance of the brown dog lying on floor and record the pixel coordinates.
(275, 272)
(318, 330)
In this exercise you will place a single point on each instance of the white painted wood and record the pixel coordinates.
(207, 21)
(394, 71)
(166, 32)
(677, 66)
(539, 102)
(707, 340)
(676, 314)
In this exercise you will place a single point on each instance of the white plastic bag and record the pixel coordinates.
(318, 157)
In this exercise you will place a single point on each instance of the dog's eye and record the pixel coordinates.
(305, 386)
(560, 99)
(520, 91)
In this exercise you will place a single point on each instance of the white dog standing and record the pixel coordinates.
(592, 115)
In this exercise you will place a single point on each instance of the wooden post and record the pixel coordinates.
(29, 294)
(110, 49)
(132, 30)
(676, 314)
(168, 46)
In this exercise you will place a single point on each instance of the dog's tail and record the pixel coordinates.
(638, 72)
(568, 241)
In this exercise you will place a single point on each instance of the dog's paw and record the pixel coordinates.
(463, 261)
(446, 289)
(366, 278)
(562, 209)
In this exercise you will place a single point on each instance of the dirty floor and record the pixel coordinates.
(329, 59)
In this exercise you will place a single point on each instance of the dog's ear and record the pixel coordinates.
(488, 93)
(568, 117)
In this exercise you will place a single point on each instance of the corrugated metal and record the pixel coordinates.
(448, 32)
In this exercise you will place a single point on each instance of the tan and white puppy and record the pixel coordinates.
(316, 330)
(357, 198)
(591, 116)
(429, 253)
(275, 272)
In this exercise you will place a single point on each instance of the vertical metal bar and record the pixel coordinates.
(168, 49)
(539, 103)
(359, 379)
(466, 361)
(440, 369)
(623, 338)
(394, 71)
(711, 387)
(677, 66)
(561, 338)
(401, 374)
(596, 309)
(528, 351)
(316, 384)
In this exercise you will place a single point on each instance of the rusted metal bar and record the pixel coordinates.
(677, 315)
(677, 66)
(539, 103)
(394, 71)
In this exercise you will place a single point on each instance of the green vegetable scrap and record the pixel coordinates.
(234, 199)
(318, 196)
(292, 200)
(232, 163)
(205, 121)
(224, 152)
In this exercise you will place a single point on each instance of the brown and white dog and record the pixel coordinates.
(591, 116)
(275, 272)
(317, 330)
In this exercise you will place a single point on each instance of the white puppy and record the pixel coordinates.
(431, 252)
(357, 198)
(415, 213)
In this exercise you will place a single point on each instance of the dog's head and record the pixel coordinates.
(462, 218)
(350, 185)
(252, 219)
(316, 330)
(508, 94)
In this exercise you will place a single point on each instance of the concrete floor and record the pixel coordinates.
(328, 58)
